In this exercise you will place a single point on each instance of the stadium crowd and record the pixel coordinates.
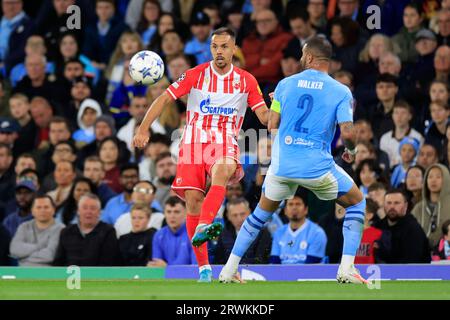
(75, 191)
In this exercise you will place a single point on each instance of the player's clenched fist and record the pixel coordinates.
(141, 139)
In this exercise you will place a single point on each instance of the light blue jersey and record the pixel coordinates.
(311, 104)
(294, 247)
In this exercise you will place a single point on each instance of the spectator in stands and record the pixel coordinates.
(36, 82)
(434, 208)
(381, 113)
(24, 161)
(428, 155)
(6, 174)
(5, 240)
(414, 184)
(138, 107)
(113, 157)
(19, 107)
(390, 141)
(376, 192)
(67, 214)
(199, 45)
(15, 28)
(147, 25)
(167, 21)
(444, 27)
(402, 240)
(25, 192)
(377, 45)
(35, 242)
(367, 173)
(73, 69)
(405, 38)
(129, 43)
(59, 131)
(238, 210)
(91, 242)
(290, 64)
(136, 246)
(165, 175)
(176, 67)
(367, 247)
(408, 149)
(316, 10)
(94, 170)
(104, 127)
(69, 49)
(89, 111)
(435, 132)
(41, 112)
(101, 39)
(300, 241)
(143, 193)
(302, 30)
(64, 177)
(158, 144)
(345, 38)
(438, 93)
(422, 70)
(172, 44)
(121, 204)
(9, 133)
(34, 45)
(64, 151)
(263, 49)
(442, 250)
(213, 12)
(235, 17)
(171, 244)
(80, 89)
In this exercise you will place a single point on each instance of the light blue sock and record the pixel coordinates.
(353, 228)
(250, 230)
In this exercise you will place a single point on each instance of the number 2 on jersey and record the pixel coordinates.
(308, 100)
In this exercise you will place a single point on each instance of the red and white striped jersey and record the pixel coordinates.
(217, 103)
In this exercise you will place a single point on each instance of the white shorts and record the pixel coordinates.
(330, 186)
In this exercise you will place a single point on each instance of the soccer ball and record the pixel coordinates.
(146, 67)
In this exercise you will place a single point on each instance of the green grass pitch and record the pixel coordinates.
(190, 290)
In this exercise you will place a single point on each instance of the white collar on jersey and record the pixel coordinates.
(297, 232)
(221, 75)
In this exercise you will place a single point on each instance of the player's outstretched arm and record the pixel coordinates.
(349, 137)
(143, 133)
(274, 121)
(263, 114)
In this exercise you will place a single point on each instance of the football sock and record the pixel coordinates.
(352, 231)
(201, 253)
(249, 231)
(211, 204)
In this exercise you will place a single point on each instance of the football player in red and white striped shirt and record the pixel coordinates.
(219, 94)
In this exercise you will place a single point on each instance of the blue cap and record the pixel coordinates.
(200, 18)
(28, 184)
(9, 125)
(412, 141)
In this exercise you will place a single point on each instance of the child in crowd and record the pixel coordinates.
(442, 250)
(409, 147)
(89, 111)
(366, 251)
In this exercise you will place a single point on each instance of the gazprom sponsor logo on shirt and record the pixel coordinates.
(205, 107)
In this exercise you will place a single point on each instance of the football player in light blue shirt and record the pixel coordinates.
(301, 240)
(306, 109)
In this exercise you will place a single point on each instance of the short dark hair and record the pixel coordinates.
(224, 30)
(8, 148)
(298, 13)
(44, 196)
(173, 201)
(396, 190)
(302, 194)
(69, 143)
(26, 155)
(27, 171)
(445, 227)
(160, 138)
(162, 156)
(59, 119)
(371, 206)
(74, 60)
(376, 186)
(148, 182)
(403, 104)
(319, 47)
(129, 166)
(387, 77)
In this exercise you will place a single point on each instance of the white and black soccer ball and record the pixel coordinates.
(146, 67)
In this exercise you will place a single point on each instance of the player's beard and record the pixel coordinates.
(167, 181)
(220, 63)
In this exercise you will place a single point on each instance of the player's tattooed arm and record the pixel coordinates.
(348, 134)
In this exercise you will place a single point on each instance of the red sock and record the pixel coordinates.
(212, 203)
(201, 253)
